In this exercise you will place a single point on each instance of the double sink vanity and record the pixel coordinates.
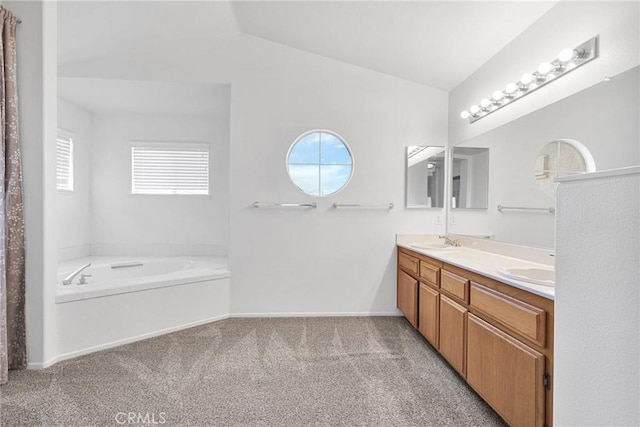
(488, 309)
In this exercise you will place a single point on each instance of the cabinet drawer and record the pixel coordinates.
(408, 263)
(455, 285)
(523, 319)
(429, 274)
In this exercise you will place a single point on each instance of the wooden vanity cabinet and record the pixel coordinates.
(408, 297)
(407, 292)
(454, 286)
(496, 336)
(408, 263)
(506, 373)
(429, 314)
(453, 333)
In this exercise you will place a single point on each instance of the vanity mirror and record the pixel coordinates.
(469, 178)
(595, 127)
(425, 176)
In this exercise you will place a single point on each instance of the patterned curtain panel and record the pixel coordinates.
(13, 354)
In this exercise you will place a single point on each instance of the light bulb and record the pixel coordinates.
(485, 103)
(474, 109)
(566, 55)
(545, 68)
(526, 78)
(497, 95)
(465, 114)
(511, 88)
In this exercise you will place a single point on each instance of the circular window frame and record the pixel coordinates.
(344, 142)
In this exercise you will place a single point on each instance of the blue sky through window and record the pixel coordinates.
(320, 163)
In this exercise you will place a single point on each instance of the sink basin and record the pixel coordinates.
(433, 246)
(539, 276)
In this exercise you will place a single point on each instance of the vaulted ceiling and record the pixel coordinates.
(435, 43)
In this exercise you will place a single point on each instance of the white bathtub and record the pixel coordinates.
(117, 275)
(122, 305)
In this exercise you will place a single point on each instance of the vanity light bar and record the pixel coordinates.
(567, 60)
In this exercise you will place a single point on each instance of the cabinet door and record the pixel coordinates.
(408, 297)
(453, 332)
(506, 373)
(428, 310)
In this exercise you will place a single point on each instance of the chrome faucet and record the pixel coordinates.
(83, 279)
(67, 280)
(449, 242)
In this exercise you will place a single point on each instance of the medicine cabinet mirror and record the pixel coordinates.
(425, 176)
(469, 178)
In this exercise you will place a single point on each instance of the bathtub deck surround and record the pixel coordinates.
(119, 275)
(495, 329)
(129, 299)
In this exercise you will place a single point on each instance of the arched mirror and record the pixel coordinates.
(560, 158)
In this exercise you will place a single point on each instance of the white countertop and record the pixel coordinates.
(482, 262)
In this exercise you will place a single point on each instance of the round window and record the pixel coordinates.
(320, 163)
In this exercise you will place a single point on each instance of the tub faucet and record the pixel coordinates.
(449, 242)
(67, 280)
(83, 279)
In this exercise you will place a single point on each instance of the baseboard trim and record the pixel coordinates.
(320, 314)
(112, 344)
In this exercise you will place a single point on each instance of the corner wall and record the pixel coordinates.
(597, 375)
(74, 207)
(157, 225)
(322, 261)
(37, 103)
(293, 262)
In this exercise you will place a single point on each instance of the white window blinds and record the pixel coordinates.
(64, 163)
(170, 168)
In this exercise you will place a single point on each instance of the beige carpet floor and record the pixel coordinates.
(374, 371)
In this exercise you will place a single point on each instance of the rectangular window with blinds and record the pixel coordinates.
(170, 168)
(64, 163)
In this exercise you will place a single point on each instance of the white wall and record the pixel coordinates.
(291, 261)
(74, 207)
(37, 48)
(566, 25)
(322, 260)
(597, 324)
(126, 224)
(603, 117)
